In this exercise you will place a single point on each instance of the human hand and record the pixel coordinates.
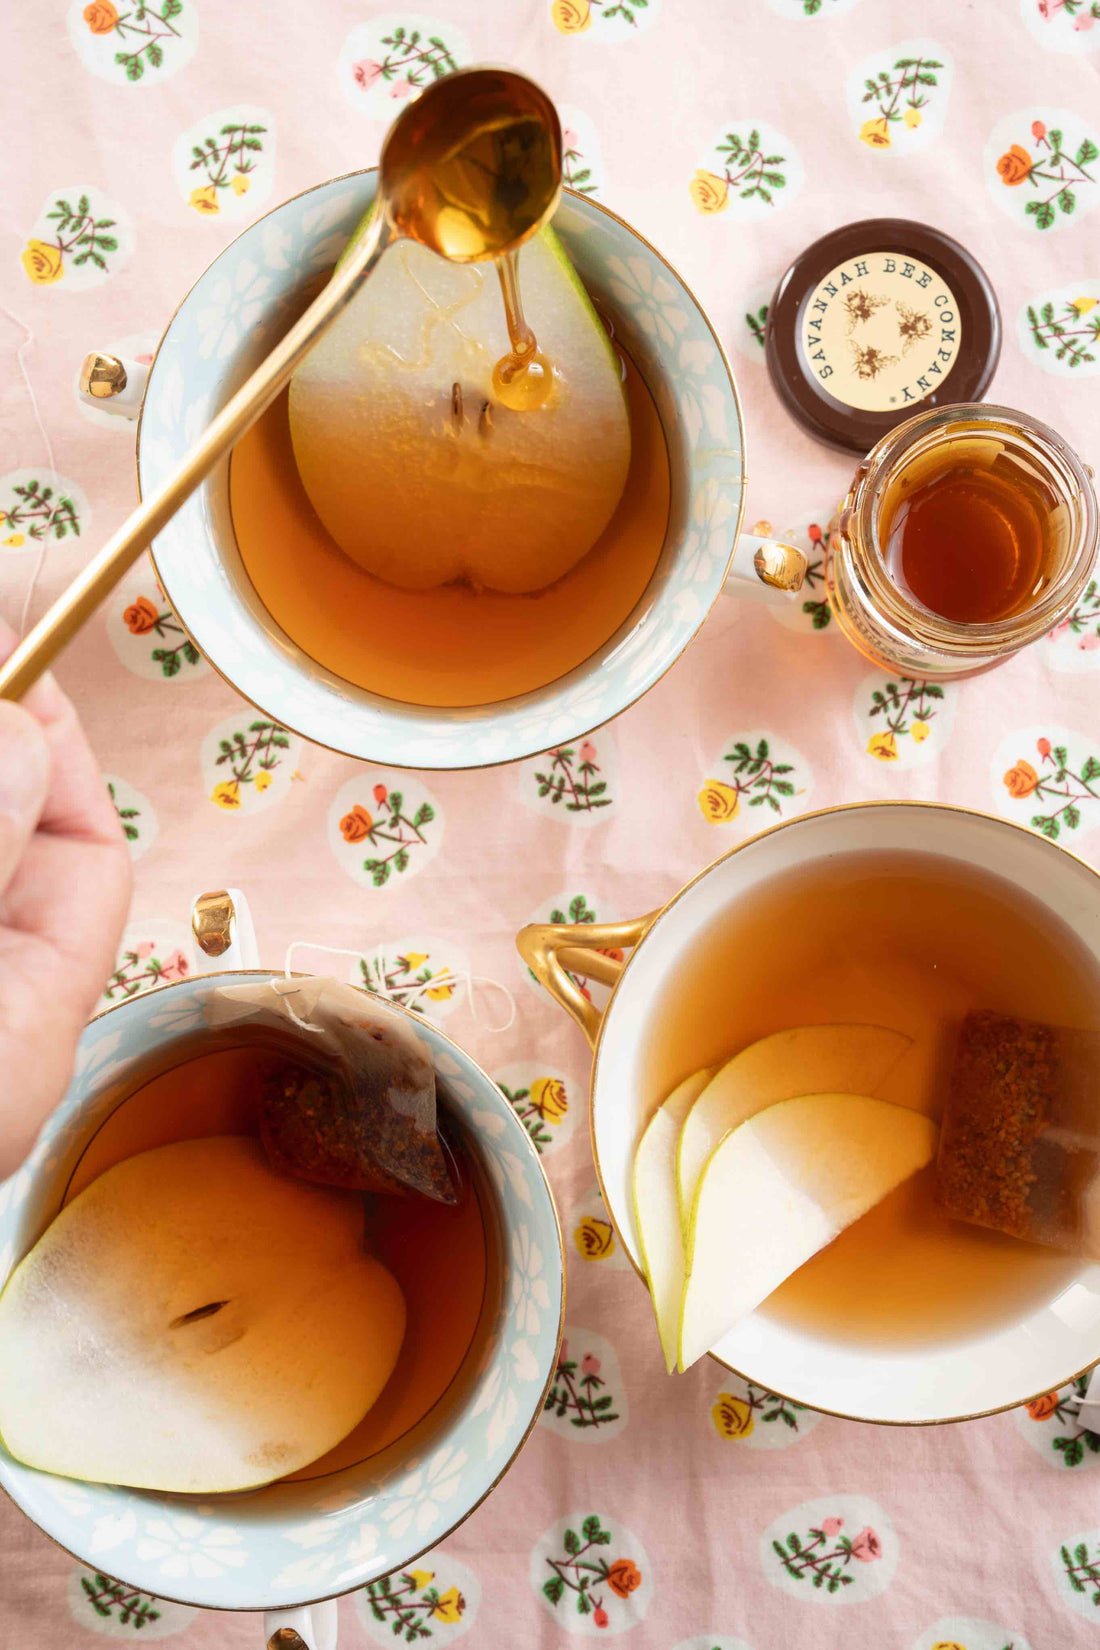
(64, 893)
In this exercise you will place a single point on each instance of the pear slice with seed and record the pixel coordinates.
(194, 1322)
(411, 459)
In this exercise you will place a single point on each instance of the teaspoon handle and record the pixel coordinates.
(79, 601)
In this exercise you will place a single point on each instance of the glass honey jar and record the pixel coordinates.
(968, 532)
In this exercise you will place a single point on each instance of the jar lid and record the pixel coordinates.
(875, 322)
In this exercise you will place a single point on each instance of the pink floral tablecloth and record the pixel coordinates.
(138, 138)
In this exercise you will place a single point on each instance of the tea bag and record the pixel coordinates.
(1020, 1137)
(350, 1099)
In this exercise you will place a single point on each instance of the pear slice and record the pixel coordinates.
(779, 1188)
(822, 1059)
(415, 466)
(193, 1321)
(657, 1209)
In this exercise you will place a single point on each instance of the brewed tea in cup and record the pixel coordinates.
(149, 1078)
(453, 701)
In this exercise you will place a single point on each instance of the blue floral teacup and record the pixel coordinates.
(230, 319)
(283, 1548)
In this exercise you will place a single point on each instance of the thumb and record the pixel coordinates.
(24, 781)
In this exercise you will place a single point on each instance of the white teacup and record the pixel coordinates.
(284, 1548)
(973, 1374)
(228, 322)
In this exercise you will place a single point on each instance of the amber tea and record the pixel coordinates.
(444, 1257)
(914, 942)
(450, 645)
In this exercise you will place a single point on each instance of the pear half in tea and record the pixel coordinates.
(416, 525)
(197, 1320)
(194, 1321)
(410, 456)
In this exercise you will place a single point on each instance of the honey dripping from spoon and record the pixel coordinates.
(524, 378)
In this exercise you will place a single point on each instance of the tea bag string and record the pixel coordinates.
(29, 340)
(409, 996)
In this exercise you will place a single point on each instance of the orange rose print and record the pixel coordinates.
(1040, 1408)
(1021, 779)
(1014, 166)
(355, 825)
(623, 1577)
(141, 617)
(100, 16)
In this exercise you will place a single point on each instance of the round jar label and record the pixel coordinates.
(880, 332)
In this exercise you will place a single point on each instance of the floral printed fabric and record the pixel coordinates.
(702, 1512)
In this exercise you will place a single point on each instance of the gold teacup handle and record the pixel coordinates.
(781, 566)
(224, 932)
(550, 948)
(757, 561)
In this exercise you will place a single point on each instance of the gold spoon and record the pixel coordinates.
(472, 169)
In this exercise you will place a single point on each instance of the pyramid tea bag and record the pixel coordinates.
(349, 1097)
(1020, 1137)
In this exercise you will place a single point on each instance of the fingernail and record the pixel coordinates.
(24, 763)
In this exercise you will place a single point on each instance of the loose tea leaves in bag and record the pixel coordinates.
(1020, 1138)
(348, 1096)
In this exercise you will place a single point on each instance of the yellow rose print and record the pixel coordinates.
(884, 746)
(1083, 305)
(912, 118)
(718, 802)
(709, 192)
(440, 993)
(241, 184)
(571, 16)
(732, 1416)
(549, 1099)
(14, 541)
(594, 1238)
(876, 133)
(227, 795)
(43, 263)
(919, 731)
(421, 1579)
(450, 1606)
(205, 200)
(948, 1644)
(414, 959)
(263, 780)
